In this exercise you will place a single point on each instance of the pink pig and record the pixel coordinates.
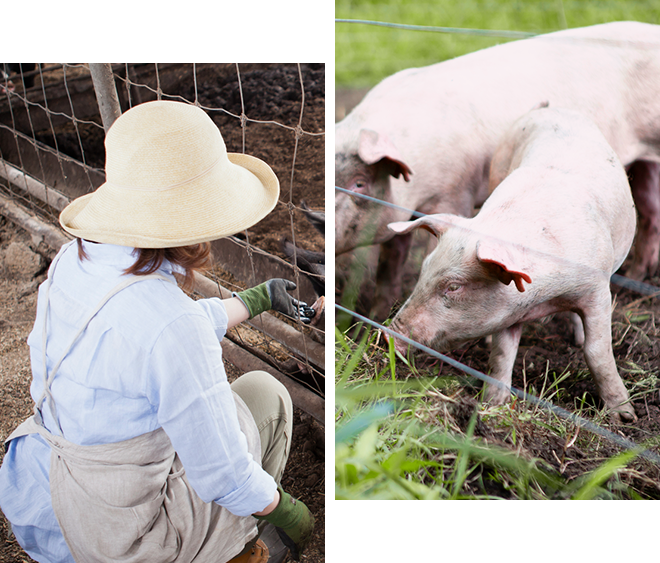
(561, 221)
(423, 138)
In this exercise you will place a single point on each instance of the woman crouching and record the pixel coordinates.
(139, 449)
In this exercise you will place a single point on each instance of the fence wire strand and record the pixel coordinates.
(523, 395)
(437, 29)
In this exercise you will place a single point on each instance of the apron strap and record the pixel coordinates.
(48, 379)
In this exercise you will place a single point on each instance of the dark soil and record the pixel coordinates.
(271, 92)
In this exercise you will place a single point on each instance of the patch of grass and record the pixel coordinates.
(366, 54)
(403, 432)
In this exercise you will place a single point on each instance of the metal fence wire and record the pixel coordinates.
(648, 290)
(51, 151)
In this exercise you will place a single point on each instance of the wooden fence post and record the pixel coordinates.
(106, 93)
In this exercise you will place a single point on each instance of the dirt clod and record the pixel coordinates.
(19, 261)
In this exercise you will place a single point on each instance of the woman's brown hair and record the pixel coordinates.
(190, 258)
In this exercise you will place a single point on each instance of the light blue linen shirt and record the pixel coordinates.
(150, 358)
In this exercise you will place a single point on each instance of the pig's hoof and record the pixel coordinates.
(623, 413)
(496, 396)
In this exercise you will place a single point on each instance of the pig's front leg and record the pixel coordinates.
(600, 358)
(645, 185)
(389, 275)
(502, 358)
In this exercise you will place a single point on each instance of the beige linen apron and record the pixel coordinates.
(131, 500)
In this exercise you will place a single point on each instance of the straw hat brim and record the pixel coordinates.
(222, 203)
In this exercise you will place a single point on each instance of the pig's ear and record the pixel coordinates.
(434, 224)
(505, 261)
(374, 147)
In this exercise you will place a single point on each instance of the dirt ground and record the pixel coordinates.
(271, 92)
(546, 346)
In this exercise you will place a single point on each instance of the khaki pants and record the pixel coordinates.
(270, 405)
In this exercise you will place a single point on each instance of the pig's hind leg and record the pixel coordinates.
(599, 356)
(502, 357)
(644, 180)
(578, 329)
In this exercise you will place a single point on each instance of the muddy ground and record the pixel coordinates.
(546, 347)
(271, 92)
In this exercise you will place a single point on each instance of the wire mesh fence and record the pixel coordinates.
(52, 151)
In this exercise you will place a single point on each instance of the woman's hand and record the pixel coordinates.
(272, 295)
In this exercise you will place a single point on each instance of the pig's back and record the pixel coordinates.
(566, 191)
(607, 71)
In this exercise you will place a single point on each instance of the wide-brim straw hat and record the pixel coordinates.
(170, 182)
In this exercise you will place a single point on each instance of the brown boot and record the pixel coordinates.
(258, 554)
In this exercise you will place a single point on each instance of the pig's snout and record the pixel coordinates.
(399, 345)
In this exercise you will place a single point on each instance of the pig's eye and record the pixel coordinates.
(452, 287)
(359, 185)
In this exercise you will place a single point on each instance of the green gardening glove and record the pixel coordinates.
(293, 521)
(272, 295)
